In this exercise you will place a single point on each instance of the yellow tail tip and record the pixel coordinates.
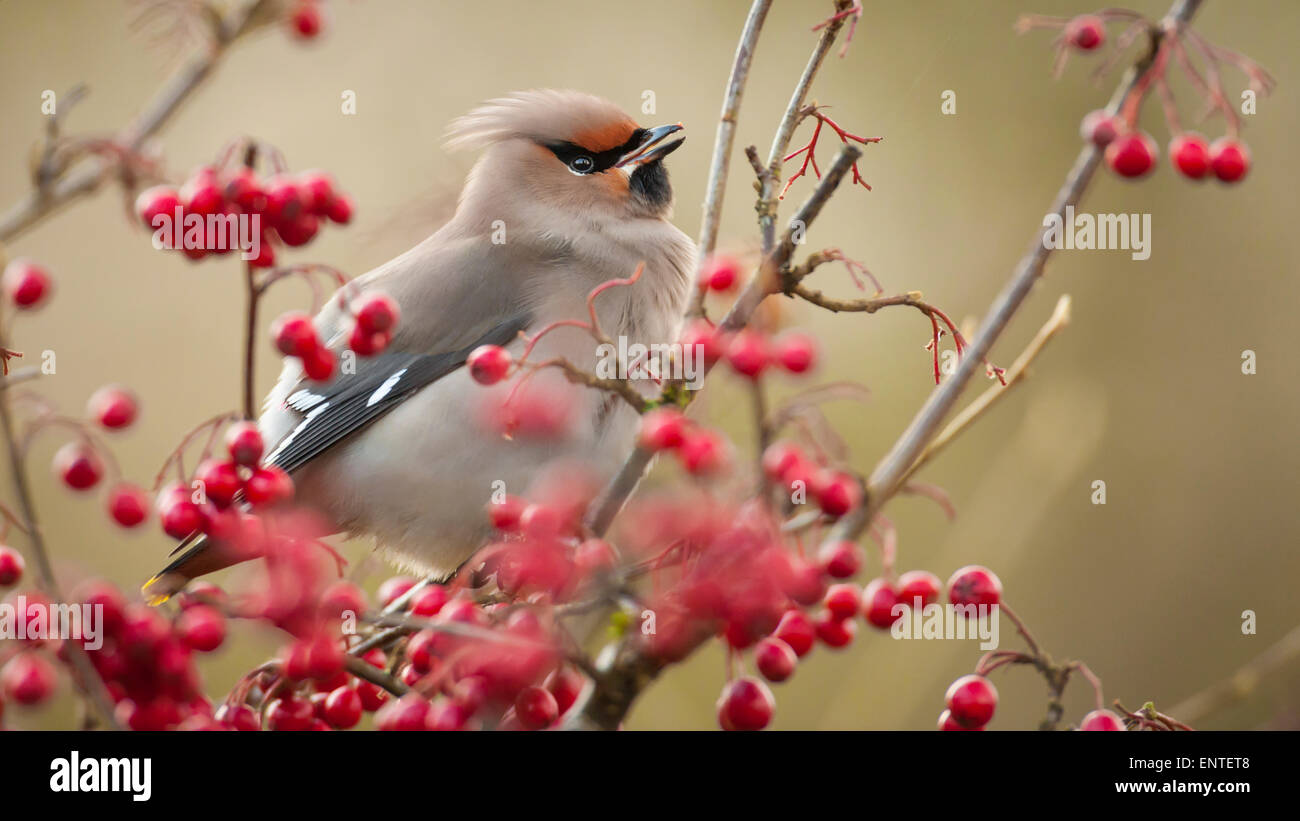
(156, 598)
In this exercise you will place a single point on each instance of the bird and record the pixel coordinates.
(568, 192)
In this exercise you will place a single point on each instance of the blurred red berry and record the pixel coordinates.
(837, 493)
(1132, 155)
(220, 481)
(745, 705)
(128, 504)
(878, 600)
(202, 628)
(410, 712)
(179, 514)
(840, 559)
(376, 313)
(26, 284)
(295, 334)
(949, 724)
(77, 464)
(289, 713)
(1190, 155)
(364, 343)
(340, 210)
(112, 407)
(662, 429)
(797, 630)
(11, 566)
(535, 707)
(1230, 159)
(972, 700)
(1100, 128)
(343, 708)
(703, 341)
(489, 364)
(703, 452)
(834, 631)
(429, 601)
(1103, 721)
(843, 600)
(1085, 32)
(305, 19)
(27, 679)
(319, 364)
(919, 584)
(267, 486)
(201, 194)
(974, 585)
(161, 200)
(774, 659)
(720, 273)
(796, 351)
(748, 353)
(394, 588)
(244, 444)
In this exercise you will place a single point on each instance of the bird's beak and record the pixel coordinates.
(652, 147)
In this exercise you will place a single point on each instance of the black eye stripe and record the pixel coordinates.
(601, 160)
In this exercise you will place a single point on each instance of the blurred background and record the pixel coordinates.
(1144, 390)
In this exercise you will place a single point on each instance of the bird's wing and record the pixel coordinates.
(333, 411)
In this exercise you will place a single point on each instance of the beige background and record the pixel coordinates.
(1143, 391)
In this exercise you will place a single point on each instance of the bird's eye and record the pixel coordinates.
(582, 164)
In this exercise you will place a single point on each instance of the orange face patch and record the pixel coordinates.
(605, 137)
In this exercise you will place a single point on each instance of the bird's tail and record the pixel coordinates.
(195, 559)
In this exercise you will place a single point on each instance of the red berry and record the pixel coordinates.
(843, 600)
(566, 684)
(1131, 155)
(918, 584)
(244, 189)
(505, 515)
(1102, 720)
(422, 651)
(220, 481)
(340, 209)
(240, 717)
(594, 556)
(972, 700)
(283, 201)
(298, 231)
(797, 352)
(429, 601)
(268, 485)
(489, 364)
(703, 340)
(775, 659)
(179, 514)
(288, 713)
(376, 313)
(720, 273)
(797, 630)
(746, 705)
(363, 343)
(27, 679)
(835, 631)
(1190, 155)
(949, 724)
(748, 353)
(77, 464)
(535, 707)
(703, 453)
(1085, 32)
(840, 560)
(112, 407)
(342, 597)
(1229, 159)
(11, 566)
(316, 190)
(410, 712)
(394, 588)
(662, 429)
(202, 628)
(295, 334)
(879, 599)
(305, 19)
(244, 444)
(26, 284)
(372, 696)
(201, 194)
(343, 708)
(1100, 128)
(156, 201)
(128, 504)
(837, 493)
(974, 585)
(319, 364)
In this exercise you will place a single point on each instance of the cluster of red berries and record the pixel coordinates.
(748, 352)
(701, 451)
(374, 317)
(835, 492)
(206, 504)
(1133, 154)
(25, 284)
(288, 209)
